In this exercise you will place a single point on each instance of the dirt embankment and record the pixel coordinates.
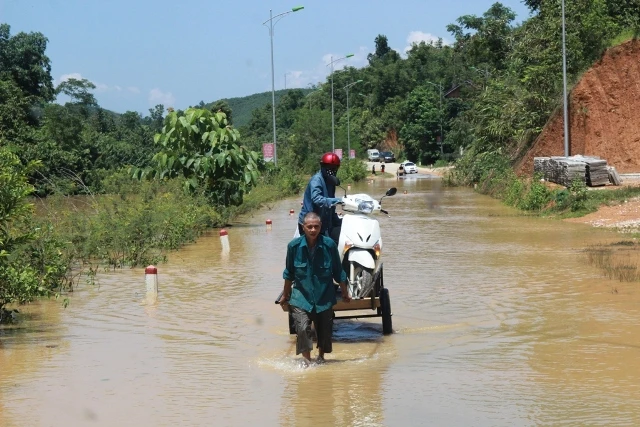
(604, 114)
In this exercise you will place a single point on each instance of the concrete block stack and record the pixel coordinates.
(591, 170)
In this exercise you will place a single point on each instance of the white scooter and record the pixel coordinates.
(360, 241)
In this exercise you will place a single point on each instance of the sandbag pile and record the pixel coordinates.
(591, 170)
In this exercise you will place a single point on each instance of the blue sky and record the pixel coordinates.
(140, 53)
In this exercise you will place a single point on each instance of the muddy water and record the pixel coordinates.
(498, 322)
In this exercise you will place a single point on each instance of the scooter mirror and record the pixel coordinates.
(391, 191)
(345, 191)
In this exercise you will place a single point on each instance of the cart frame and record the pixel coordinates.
(378, 301)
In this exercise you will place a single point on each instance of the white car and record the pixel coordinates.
(409, 167)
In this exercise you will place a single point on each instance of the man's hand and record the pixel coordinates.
(335, 201)
(284, 300)
(345, 294)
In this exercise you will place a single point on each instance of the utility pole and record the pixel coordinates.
(564, 85)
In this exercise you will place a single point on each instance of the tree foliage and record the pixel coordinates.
(29, 266)
(203, 148)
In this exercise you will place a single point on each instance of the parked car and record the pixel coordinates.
(387, 157)
(409, 167)
(373, 155)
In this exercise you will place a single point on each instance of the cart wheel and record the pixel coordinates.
(292, 324)
(385, 305)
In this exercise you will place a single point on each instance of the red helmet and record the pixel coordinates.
(330, 160)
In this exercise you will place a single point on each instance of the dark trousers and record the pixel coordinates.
(323, 322)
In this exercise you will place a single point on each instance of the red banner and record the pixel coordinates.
(267, 151)
(338, 151)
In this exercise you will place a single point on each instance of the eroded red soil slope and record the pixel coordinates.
(604, 114)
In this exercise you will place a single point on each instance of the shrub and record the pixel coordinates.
(32, 263)
(352, 170)
(579, 195)
(537, 196)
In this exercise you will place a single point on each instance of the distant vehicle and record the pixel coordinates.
(387, 157)
(373, 155)
(409, 167)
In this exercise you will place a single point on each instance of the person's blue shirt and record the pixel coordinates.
(313, 275)
(320, 198)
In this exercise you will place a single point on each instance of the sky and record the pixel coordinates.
(140, 53)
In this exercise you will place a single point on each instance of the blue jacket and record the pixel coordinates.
(318, 198)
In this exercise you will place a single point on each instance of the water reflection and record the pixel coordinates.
(347, 389)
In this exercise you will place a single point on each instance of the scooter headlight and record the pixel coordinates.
(365, 206)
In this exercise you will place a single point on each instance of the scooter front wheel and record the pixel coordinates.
(362, 282)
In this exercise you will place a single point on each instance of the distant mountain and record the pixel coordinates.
(242, 107)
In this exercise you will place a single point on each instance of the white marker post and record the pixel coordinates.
(291, 212)
(269, 222)
(151, 280)
(224, 240)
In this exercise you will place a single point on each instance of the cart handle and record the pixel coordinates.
(279, 296)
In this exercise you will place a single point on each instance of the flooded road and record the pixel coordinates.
(498, 320)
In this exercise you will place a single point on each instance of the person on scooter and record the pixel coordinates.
(319, 197)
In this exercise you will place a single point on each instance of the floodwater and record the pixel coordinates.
(498, 322)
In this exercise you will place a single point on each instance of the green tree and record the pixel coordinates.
(487, 39)
(202, 147)
(421, 124)
(382, 48)
(223, 106)
(23, 60)
(21, 279)
(79, 90)
(311, 137)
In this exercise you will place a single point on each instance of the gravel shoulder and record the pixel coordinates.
(624, 217)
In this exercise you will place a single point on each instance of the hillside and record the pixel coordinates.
(604, 114)
(243, 106)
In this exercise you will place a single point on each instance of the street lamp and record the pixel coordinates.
(348, 126)
(564, 86)
(333, 131)
(273, 78)
(439, 86)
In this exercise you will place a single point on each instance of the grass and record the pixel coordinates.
(138, 222)
(595, 198)
(624, 36)
(618, 261)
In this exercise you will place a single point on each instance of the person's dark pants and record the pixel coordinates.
(323, 322)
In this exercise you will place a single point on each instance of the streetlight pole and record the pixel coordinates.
(333, 126)
(273, 77)
(348, 125)
(564, 85)
(439, 86)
